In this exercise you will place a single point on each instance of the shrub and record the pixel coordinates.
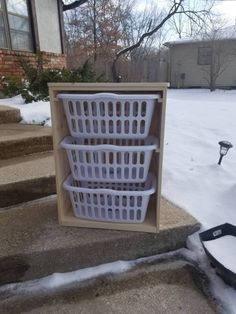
(34, 85)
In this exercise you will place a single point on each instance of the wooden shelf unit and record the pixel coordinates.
(60, 130)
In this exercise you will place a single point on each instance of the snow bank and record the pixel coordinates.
(33, 113)
(222, 249)
(196, 121)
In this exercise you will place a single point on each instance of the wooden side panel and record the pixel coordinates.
(159, 159)
(60, 130)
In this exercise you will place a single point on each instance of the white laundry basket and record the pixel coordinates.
(104, 115)
(107, 160)
(111, 202)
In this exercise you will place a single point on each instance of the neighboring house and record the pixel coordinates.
(28, 26)
(204, 62)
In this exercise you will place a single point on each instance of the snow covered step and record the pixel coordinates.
(34, 245)
(26, 178)
(9, 115)
(162, 286)
(20, 139)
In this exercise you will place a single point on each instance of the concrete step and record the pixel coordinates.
(34, 245)
(9, 115)
(19, 139)
(26, 178)
(160, 287)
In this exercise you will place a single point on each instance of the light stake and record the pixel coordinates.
(224, 147)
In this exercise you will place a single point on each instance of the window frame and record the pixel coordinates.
(200, 60)
(7, 27)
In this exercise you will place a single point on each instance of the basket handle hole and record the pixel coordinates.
(110, 108)
(131, 214)
(78, 108)
(143, 109)
(138, 214)
(71, 108)
(118, 108)
(127, 109)
(135, 108)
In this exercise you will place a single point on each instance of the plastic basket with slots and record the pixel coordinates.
(111, 202)
(107, 160)
(104, 115)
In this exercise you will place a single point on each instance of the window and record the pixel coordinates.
(15, 31)
(204, 56)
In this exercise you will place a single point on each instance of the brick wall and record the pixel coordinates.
(9, 61)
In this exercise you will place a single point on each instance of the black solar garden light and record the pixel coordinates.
(224, 147)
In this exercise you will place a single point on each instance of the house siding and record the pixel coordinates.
(184, 59)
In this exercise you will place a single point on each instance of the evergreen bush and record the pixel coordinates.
(33, 87)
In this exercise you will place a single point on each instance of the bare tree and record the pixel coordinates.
(73, 5)
(219, 50)
(186, 25)
(177, 7)
(99, 29)
(130, 31)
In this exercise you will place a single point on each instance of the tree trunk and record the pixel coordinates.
(212, 86)
(114, 71)
(212, 74)
(94, 32)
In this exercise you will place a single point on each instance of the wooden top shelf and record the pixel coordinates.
(109, 86)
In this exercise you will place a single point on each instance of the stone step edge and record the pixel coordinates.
(26, 190)
(9, 114)
(25, 146)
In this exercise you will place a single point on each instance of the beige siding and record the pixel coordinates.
(184, 58)
(48, 25)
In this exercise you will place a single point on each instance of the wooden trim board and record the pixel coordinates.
(60, 130)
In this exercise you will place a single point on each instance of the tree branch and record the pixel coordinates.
(171, 12)
(73, 5)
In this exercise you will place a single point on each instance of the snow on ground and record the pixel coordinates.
(33, 113)
(196, 120)
(227, 245)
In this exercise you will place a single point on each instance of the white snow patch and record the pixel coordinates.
(32, 113)
(60, 279)
(223, 248)
(196, 121)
